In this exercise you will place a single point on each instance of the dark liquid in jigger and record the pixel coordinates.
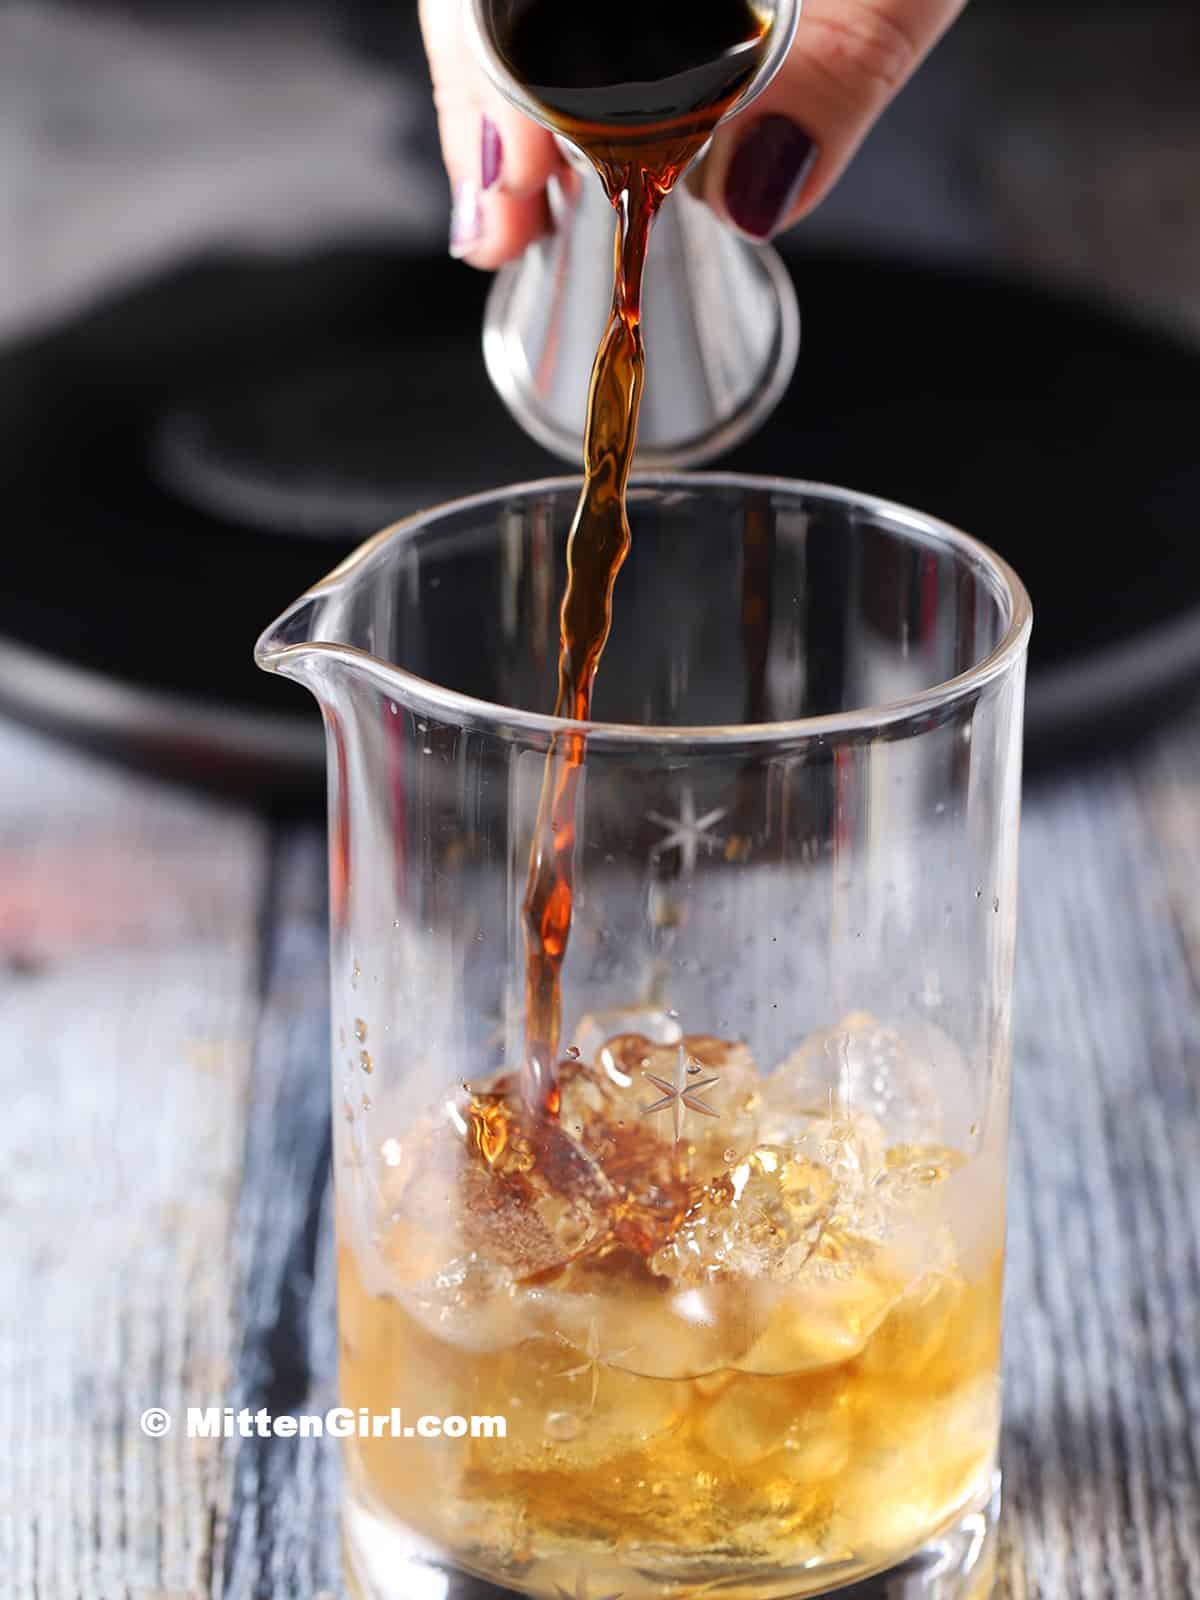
(662, 64)
(639, 93)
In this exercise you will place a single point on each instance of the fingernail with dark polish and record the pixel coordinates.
(466, 218)
(767, 173)
(491, 154)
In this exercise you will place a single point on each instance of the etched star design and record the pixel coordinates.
(681, 1094)
(593, 1360)
(687, 832)
(580, 1591)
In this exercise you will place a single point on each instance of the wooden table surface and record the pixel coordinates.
(164, 1216)
(164, 1204)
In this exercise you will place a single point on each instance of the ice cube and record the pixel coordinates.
(483, 1192)
(747, 1222)
(533, 1183)
(652, 1329)
(851, 1147)
(701, 1097)
(912, 1173)
(649, 1186)
(861, 1067)
(819, 1444)
(596, 1094)
(455, 1243)
(653, 1193)
(916, 1459)
(821, 1321)
(972, 1201)
(808, 1428)
(911, 1336)
(699, 1094)
(470, 1304)
(389, 1360)
(569, 1406)
(807, 1082)
(596, 1028)
(931, 1095)
(659, 1120)
(736, 1097)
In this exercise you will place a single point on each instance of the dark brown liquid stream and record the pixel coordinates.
(639, 101)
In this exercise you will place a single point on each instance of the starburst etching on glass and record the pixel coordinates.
(594, 1359)
(580, 1591)
(687, 833)
(680, 1094)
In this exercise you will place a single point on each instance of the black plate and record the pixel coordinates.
(183, 461)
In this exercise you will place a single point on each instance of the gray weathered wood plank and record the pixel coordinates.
(1102, 1354)
(283, 1537)
(128, 940)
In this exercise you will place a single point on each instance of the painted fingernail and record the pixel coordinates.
(466, 218)
(491, 154)
(767, 173)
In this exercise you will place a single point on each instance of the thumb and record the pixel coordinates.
(772, 165)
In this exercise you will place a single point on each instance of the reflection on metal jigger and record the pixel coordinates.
(724, 328)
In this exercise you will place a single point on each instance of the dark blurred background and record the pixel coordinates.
(231, 345)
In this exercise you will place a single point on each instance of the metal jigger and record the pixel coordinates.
(724, 327)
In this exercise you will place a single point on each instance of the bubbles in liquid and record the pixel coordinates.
(360, 1030)
(563, 1426)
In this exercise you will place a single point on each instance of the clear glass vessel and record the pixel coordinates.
(734, 1288)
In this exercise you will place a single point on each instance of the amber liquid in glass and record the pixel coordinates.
(754, 1345)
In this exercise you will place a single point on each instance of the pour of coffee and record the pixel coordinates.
(639, 94)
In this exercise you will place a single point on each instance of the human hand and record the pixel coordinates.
(766, 168)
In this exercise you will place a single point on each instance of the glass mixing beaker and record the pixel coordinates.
(727, 1314)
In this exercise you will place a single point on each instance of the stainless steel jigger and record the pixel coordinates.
(724, 327)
